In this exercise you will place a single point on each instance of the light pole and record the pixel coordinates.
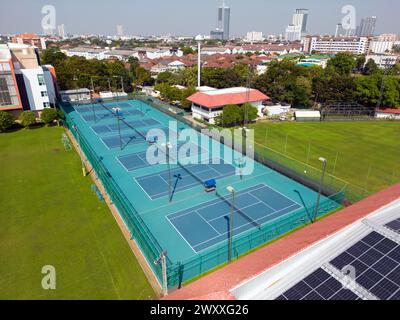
(117, 110)
(324, 161)
(232, 192)
(167, 147)
(163, 260)
(199, 38)
(79, 149)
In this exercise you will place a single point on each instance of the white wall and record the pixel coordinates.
(33, 88)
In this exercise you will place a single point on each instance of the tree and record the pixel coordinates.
(186, 104)
(6, 121)
(187, 50)
(371, 67)
(252, 112)
(231, 115)
(360, 62)
(164, 77)
(49, 115)
(343, 63)
(27, 119)
(142, 76)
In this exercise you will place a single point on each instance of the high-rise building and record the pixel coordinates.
(298, 27)
(222, 31)
(300, 18)
(343, 32)
(61, 31)
(367, 27)
(254, 36)
(120, 30)
(293, 32)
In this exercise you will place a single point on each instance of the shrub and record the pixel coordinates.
(27, 118)
(49, 115)
(6, 121)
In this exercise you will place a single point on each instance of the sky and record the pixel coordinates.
(189, 17)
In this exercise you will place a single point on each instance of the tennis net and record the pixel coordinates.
(124, 122)
(243, 214)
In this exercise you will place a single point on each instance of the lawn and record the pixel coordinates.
(365, 154)
(50, 216)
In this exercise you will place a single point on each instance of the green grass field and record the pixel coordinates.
(365, 154)
(50, 216)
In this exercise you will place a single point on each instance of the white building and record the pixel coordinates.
(254, 36)
(355, 45)
(209, 104)
(382, 60)
(293, 33)
(383, 43)
(388, 113)
(35, 82)
(87, 52)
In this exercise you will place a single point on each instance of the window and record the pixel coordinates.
(8, 91)
(46, 104)
(44, 93)
(41, 80)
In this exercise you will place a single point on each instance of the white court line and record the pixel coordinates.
(190, 246)
(243, 225)
(216, 200)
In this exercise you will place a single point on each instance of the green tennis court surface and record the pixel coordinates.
(191, 227)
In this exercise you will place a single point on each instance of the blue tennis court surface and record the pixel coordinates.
(191, 225)
(156, 185)
(100, 129)
(207, 224)
(138, 160)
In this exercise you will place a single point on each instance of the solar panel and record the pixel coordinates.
(319, 285)
(376, 260)
(394, 225)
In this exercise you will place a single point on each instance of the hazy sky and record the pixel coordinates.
(189, 17)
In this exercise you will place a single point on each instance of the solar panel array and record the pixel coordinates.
(319, 285)
(394, 225)
(376, 260)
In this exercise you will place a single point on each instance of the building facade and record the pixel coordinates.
(222, 32)
(208, 105)
(24, 83)
(355, 45)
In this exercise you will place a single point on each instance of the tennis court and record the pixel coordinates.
(207, 224)
(156, 185)
(138, 160)
(191, 224)
(101, 129)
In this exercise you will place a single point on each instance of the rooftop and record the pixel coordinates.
(222, 97)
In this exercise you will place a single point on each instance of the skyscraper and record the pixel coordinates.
(300, 18)
(298, 27)
(222, 31)
(367, 27)
(120, 30)
(61, 31)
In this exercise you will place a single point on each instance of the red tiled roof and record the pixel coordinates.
(219, 283)
(218, 100)
(389, 110)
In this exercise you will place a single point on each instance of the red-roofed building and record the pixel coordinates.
(30, 39)
(206, 106)
(388, 113)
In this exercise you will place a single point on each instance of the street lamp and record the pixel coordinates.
(324, 161)
(163, 260)
(167, 147)
(231, 190)
(117, 110)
